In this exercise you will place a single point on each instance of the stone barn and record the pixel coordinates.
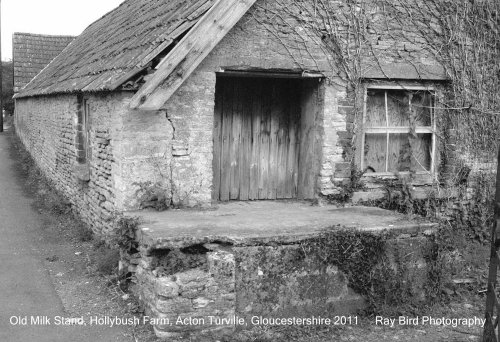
(190, 103)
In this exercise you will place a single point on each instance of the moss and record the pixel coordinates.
(378, 270)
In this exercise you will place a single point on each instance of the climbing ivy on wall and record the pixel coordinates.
(378, 268)
(356, 35)
(461, 35)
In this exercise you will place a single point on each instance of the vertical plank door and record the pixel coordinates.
(256, 138)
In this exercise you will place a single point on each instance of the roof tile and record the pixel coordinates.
(119, 44)
(32, 53)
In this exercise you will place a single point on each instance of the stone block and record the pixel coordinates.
(221, 265)
(173, 306)
(82, 171)
(201, 302)
(276, 281)
(166, 287)
(342, 170)
(328, 192)
(192, 283)
(345, 102)
(365, 196)
(345, 111)
(180, 151)
(102, 141)
(326, 173)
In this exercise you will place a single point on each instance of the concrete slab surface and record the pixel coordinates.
(264, 222)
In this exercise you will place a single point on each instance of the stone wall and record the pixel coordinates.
(140, 155)
(48, 128)
(264, 40)
(190, 113)
(142, 147)
(192, 300)
(250, 45)
(228, 288)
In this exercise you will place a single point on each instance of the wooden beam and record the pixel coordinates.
(269, 74)
(189, 53)
(399, 87)
(400, 130)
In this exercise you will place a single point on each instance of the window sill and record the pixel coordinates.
(82, 171)
(360, 197)
(418, 178)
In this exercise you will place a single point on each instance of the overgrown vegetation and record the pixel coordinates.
(124, 233)
(358, 36)
(152, 195)
(355, 183)
(467, 207)
(461, 244)
(379, 268)
(463, 36)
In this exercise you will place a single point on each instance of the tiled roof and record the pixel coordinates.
(118, 46)
(32, 53)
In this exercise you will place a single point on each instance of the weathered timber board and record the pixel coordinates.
(258, 125)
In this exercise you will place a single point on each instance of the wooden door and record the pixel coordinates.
(256, 138)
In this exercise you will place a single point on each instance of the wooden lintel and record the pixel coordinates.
(271, 74)
(189, 53)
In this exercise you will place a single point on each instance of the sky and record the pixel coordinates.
(55, 17)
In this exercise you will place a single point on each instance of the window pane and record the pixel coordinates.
(406, 155)
(422, 152)
(399, 152)
(375, 109)
(421, 103)
(375, 152)
(398, 107)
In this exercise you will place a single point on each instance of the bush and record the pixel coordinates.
(106, 259)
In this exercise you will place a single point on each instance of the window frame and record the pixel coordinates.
(403, 129)
(83, 137)
(86, 127)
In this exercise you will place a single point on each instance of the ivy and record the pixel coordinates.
(124, 235)
(376, 268)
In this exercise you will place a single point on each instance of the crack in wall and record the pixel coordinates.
(170, 163)
(169, 118)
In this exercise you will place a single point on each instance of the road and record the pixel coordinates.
(26, 289)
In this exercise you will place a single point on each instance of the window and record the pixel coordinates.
(86, 129)
(398, 130)
(83, 131)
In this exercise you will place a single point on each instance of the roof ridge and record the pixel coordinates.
(43, 35)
